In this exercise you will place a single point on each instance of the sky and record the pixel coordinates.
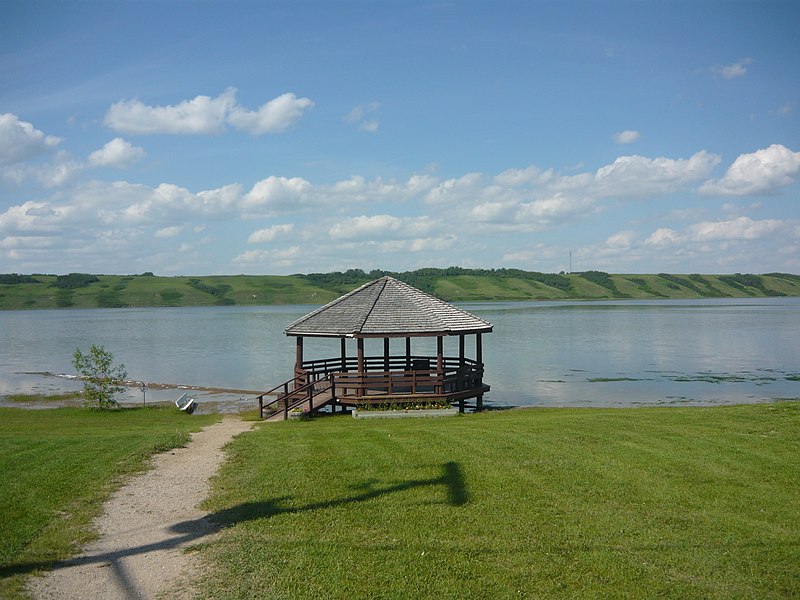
(199, 138)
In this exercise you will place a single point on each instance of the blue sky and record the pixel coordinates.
(292, 137)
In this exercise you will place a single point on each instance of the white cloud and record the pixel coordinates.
(358, 116)
(201, 115)
(733, 70)
(267, 259)
(270, 234)
(273, 117)
(529, 176)
(455, 190)
(627, 137)
(381, 227)
(621, 240)
(277, 194)
(761, 172)
(638, 176)
(57, 173)
(168, 232)
(740, 228)
(20, 141)
(663, 237)
(116, 153)
(370, 126)
(204, 115)
(219, 201)
(555, 209)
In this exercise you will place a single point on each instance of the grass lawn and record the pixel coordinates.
(540, 503)
(57, 466)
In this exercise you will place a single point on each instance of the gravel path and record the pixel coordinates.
(146, 526)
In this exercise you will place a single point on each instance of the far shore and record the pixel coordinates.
(454, 284)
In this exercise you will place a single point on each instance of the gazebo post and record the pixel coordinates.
(361, 372)
(386, 354)
(343, 353)
(408, 353)
(479, 359)
(440, 362)
(298, 358)
(461, 362)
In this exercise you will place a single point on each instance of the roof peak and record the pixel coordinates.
(387, 307)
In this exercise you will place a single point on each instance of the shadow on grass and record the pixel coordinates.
(452, 479)
(193, 531)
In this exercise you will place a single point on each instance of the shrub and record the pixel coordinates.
(101, 378)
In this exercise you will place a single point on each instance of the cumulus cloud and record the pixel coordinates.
(276, 194)
(741, 228)
(725, 230)
(201, 115)
(663, 236)
(361, 117)
(381, 227)
(273, 117)
(636, 176)
(204, 115)
(761, 172)
(733, 70)
(627, 137)
(116, 153)
(21, 141)
(281, 258)
(168, 232)
(270, 234)
(621, 240)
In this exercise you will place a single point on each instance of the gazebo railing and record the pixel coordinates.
(395, 374)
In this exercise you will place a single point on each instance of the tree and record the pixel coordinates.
(101, 378)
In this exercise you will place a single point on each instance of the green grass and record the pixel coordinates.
(57, 466)
(546, 503)
(111, 291)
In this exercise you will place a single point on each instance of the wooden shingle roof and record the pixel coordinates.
(387, 307)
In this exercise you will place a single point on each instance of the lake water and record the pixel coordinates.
(620, 353)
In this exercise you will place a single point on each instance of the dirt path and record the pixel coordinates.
(146, 525)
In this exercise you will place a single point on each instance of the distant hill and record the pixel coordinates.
(454, 284)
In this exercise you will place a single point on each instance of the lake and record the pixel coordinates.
(615, 353)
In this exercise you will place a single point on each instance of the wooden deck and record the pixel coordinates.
(335, 383)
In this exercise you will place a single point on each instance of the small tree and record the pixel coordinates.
(101, 378)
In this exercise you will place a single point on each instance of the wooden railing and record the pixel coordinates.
(381, 376)
(397, 374)
(292, 394)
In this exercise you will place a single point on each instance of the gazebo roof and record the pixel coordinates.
(387, 307)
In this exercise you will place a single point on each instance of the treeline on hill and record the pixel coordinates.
(425, 279)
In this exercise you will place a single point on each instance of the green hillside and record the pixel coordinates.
(454, 284)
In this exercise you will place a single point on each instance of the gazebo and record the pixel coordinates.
(382, 309)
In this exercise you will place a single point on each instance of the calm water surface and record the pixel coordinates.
(618, 353)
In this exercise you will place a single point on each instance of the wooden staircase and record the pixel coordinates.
(295, 395)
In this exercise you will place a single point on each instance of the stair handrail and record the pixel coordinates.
(301, 398)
